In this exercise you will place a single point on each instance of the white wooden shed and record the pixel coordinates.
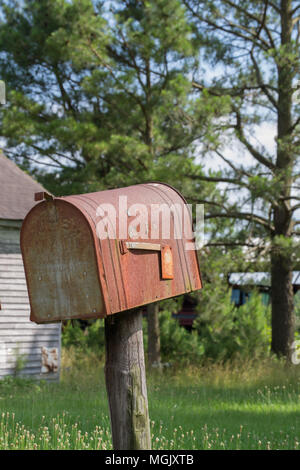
(25, 348)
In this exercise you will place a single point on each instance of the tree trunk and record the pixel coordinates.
(282, 306)
(154, 357)
(281, 264)
(126, 381)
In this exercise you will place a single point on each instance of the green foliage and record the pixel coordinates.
(244, 405)
(87, 338)
(297, 313)
(20, 364)
(227, 331)
(107, 94)
(297, 304)
(253, 327)
(73, 334)
(222, 331)
(24, 385)
(102, 96)
(177, 344)
(288, 249)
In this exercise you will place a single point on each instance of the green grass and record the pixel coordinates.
(238, 406)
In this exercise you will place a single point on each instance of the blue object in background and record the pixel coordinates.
(240, 297)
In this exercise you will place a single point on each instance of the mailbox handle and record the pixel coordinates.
(167, 271)
(125, 246)
(143, 246)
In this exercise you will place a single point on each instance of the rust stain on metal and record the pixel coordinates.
(167, 263)
(72, 273)
(61, 268)
(123, 247)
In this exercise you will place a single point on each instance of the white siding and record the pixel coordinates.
(10, 236)
(19, 337)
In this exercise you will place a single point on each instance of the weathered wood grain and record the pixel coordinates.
(126, 381)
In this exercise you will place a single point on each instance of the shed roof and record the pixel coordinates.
(16, 190)
(258, 279)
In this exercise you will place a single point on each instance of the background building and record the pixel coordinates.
(25, 348)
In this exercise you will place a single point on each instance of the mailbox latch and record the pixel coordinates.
(166, 256)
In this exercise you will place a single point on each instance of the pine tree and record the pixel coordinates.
(102, 96)
(257, 45)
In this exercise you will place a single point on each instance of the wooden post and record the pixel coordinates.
(126, 381)
(153, 335)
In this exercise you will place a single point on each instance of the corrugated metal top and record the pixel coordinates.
(16, 190)
(258, 279)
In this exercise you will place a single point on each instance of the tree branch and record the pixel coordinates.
(273, 5)
(234, 91)
(295, 9)
(64, 95)
(251, 38)
(244, 216)
(240, 171)
(46, 154)
(109, 68)
(215, 179)
(295, 20)
(232, 244)
(241, 136)
(295, 125)
(205, 201)
(260, 82)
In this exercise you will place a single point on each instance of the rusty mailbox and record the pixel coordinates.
(92, 255)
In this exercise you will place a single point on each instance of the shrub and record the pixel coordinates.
(227, 331)
(73, 334)
(222, 331)
(84, 336)
(177, 344)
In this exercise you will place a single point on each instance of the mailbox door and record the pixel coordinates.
(61, 267)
